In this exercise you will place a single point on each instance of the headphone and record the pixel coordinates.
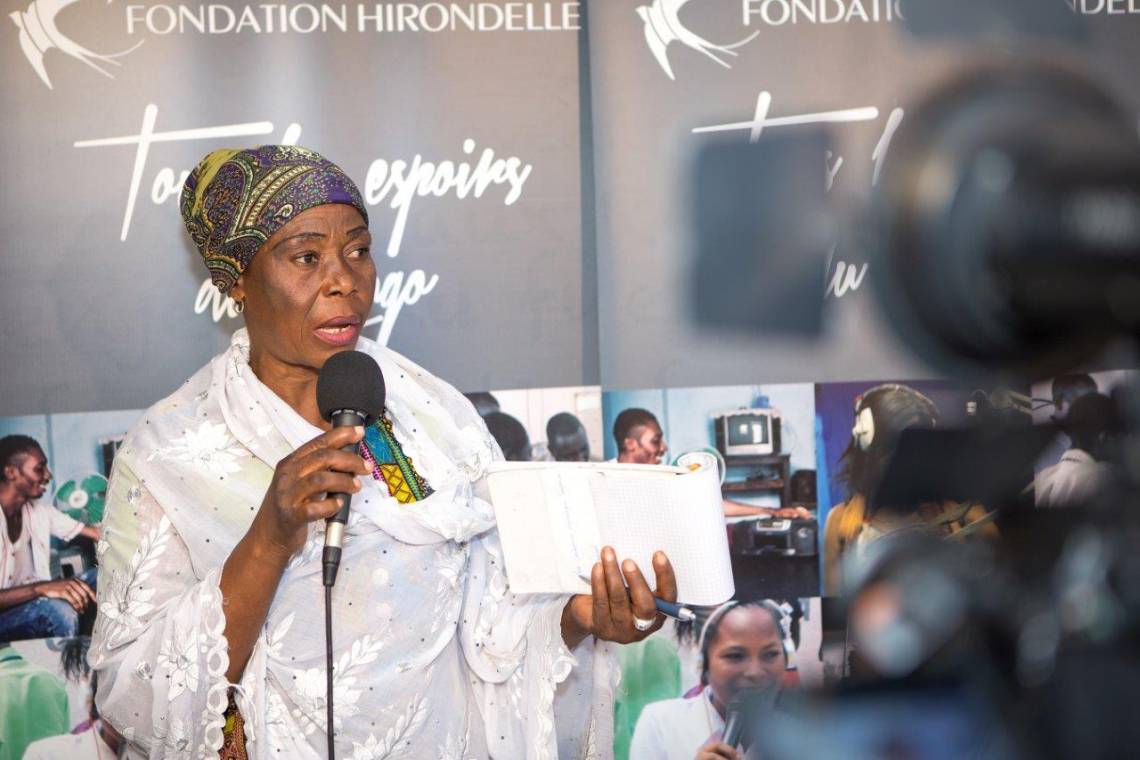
(928, 406)
(924, 399)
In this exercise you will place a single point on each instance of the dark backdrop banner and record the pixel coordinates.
(460, 121)
(665, 69)
(526, 166)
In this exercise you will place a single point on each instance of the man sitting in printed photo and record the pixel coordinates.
(32, 605)
(640, 440)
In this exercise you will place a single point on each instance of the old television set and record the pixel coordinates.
(747, 432)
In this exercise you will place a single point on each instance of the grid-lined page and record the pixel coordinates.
(636, 509)
(680, 515)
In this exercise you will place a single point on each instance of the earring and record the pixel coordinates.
(239, 306)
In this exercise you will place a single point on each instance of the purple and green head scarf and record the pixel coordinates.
(234, 200)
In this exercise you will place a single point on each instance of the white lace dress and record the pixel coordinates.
(435, 657)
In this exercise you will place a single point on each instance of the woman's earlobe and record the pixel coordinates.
(237, 296)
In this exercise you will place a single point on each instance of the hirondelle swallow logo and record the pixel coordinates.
(663, 27)
(39, 34)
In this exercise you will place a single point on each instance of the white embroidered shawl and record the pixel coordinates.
(434, 656)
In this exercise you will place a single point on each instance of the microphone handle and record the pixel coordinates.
(334, 526)
(733, 726)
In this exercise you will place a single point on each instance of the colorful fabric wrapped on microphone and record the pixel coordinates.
(383, 454)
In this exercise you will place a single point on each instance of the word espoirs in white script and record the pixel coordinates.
(395, 182)
(307, 18)
(400, 181)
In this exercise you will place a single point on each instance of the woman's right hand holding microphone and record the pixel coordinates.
(297, 495)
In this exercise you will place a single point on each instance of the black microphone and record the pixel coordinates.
(350, 392)
(740, 714)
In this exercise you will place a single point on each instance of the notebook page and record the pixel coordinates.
(573, 521)
(680, 515)
(554, 518)
(533, 509)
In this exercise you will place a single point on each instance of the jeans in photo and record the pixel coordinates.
(42, 618)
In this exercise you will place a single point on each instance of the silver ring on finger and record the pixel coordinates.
(643, 624)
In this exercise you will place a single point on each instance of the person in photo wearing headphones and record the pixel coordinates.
(743, 645)
(881, 415)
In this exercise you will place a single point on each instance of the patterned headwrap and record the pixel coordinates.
(234, 200)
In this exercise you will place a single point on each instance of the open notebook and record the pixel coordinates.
(554, 518)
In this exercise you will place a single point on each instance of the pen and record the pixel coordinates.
(675, 610)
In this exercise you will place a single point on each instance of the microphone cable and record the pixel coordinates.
(350, 392)
(329, 670)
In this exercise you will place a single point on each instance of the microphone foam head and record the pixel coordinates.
(351, 380)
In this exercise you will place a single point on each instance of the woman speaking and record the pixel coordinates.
(743, 648)
(210, 634)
